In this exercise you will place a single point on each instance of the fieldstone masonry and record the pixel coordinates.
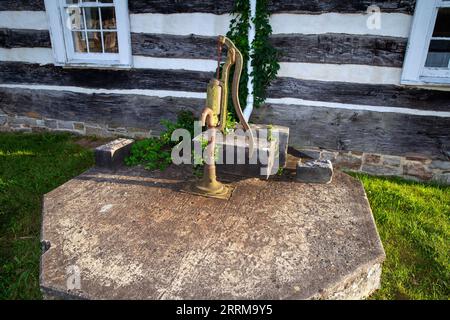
(413, 167)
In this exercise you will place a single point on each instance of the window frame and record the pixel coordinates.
(414, 70)
(62, 43)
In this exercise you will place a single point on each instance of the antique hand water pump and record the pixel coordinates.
(215, 117)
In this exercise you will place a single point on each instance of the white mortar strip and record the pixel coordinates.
(203, 24)
(30, 55)
(141, 92)
(141, 62)
(334, 105)
(392, 24)
(208, 24)
(34, 20)
(45, 56)
(340, 73)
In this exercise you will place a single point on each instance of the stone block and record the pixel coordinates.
(371, 158)
(440, 165)
(348, 161)
(328, 155)
(51, 124)
(79, 126)
(310, 153)
(391, 161)
(65, 125)
(97, 131)
(3, 120)
(381, 170)
(233, 156)
(112, 155)
(317, 171)
(443, 178)
(417, 169)
(267, 131)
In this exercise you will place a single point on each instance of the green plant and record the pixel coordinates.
(238, 33)
(264, 55)
(155, 153)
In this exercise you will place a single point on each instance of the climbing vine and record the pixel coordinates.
(264, 56)
(238, 33)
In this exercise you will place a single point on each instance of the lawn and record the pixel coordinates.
(413, 219)
(30, 166)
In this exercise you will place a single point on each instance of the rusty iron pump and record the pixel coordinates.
(214, 116)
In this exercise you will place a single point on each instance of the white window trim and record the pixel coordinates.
(414, 70)
(64, 55)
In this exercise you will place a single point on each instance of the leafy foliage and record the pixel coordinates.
(155, 153)
(238, 33)
(264, 55)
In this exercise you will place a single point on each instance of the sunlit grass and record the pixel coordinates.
(30, 166)
(413, 221)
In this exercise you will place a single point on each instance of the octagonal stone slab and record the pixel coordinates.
(131, 234)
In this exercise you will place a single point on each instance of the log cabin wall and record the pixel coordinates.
(339, 92)
(338, 88)
(174, 56)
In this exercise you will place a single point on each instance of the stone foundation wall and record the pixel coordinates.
(414, 167)
(35, 124)
(410, 167)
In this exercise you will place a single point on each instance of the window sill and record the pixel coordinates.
(428, 81)
(91, 65)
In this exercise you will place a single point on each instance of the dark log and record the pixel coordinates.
(342, 6)
(341, 49)
(22, 5)
(181, 80)
(180, 6)
(364, 94)
(171, 46)
(21, 38)
(363, 131)
(131, 111)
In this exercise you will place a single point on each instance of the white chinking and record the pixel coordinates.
(392, 24)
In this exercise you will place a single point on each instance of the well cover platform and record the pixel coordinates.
(132, 235)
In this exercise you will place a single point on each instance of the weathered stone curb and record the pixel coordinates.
(112, 154)
(316, 171)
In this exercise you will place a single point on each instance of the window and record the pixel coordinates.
(427, 59)
(90, 32)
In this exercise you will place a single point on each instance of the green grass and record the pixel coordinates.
(30, 166)
(413, 221)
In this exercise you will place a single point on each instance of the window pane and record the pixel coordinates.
(111, 45)
(76, 18)
(438, 54)
(109, 18)
(79, 42)
(92, 18)
(442, 27)
(95, 42)
(72, 1)
(106, 1)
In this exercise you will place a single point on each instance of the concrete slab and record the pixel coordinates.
(132, 235)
